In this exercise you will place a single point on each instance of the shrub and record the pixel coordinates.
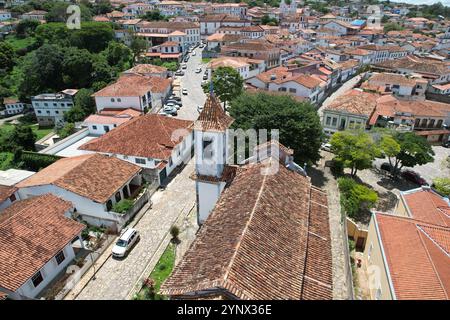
(174, 232)
(36, 161)
(442, 185)
(355, 197)
(122, 206)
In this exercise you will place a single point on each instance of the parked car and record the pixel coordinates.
(174, 97)
(184, 66)
(386, 167)
(414, 177)
(125, 243)
(170, 110)
(198, 70)
(174, 102)
(179, 73)
(193, 53)
(172, 105)
(186, 59)
(205, 77)
(202, 46)
(199, 109)
(326, 147)
(184, 91)
(446, 144)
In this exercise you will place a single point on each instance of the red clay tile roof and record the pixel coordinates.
(94, 176)
(32, 232)
(427, 206)
(418, 257)
(6, 192)
(355, 102)
(268, 237)
(134, 85)
(148, 136)
(213, 117)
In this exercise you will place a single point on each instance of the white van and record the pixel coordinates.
(125, 242)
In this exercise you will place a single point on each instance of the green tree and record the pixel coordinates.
(442, 185)
(93, 36)
(22, 137)
(154, 15)
(298, 122)
(390, 147)
(228, 84)
(77, 68)
(26, 28)
(392, 27)
(414, 150)
(85, 101)
(119, 55)
(7, 56)
(354, 149)
(138, 46)
(43, 70)
(58, 12)
(67, 130)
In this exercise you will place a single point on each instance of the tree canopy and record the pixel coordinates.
(298, 122)
(354, 149)
(227, 82)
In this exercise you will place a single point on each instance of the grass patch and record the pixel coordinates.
(206, 60)
(19, 44)
(6, 160)
(159, 274)
(40, 132)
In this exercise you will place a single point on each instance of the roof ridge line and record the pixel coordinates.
(432, 240)
(261, 189)
(307, 242)
(431, 260)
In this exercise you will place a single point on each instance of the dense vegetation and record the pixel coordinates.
(298, 122)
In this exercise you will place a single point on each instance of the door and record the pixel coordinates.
(162, 175)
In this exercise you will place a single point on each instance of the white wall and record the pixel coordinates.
(208, 194)
(124, 103)
(49, 271)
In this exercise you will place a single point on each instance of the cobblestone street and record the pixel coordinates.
(322, 178)
(116, 279)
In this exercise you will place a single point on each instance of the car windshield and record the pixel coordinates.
(121, 243)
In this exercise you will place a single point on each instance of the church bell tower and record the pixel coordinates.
(211, 154)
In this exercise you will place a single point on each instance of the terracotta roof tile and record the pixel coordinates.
(94, 176)
(213, 117)
(267, 238)
(6, 192)
(411, 245)
(148, 136)
(132, 85)
(355, 102)
(427, 206)
(32, 232)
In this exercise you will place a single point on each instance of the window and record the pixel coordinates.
(439, 124)
(12, 198)
(292, 90)
(140, 161)
(118, 196)
(328, 122)
(207, 148)
(119, 100)
(60, 257)
(170, 161)
(334, 122)
(112, 100)
(94, 127)
(37, 279)
(39, 111)
(56, 111)
(109, 205)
